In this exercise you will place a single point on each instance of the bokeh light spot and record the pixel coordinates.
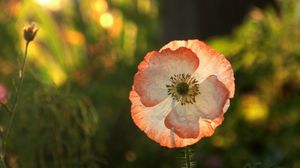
(74, 37)
(130, 156)
(100, 6)
(50, 4)
(58, 76)
(106, 20)
(254, 109)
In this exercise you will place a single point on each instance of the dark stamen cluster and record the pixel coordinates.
(183, 88)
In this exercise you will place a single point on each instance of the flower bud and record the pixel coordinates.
(30, 32)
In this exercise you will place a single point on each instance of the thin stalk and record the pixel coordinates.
(18, 93)
(2, 165)
(187, 157)
(5, 107)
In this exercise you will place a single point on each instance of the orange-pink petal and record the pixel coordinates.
(183, 121)
(211, 62)
(151, 121)
(212, 98)
(155, 70)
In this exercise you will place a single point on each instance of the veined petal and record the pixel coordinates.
(209, 104)
(183, 121)
(152, 121)
(211, 62)
(212, 98)
(155, 70)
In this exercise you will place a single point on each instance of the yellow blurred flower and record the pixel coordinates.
(74, 37)
(253, 109)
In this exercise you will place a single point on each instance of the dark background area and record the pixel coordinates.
(202, 19)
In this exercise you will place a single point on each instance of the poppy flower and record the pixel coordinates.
(180, 93)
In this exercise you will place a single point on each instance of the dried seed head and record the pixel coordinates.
(30, 32)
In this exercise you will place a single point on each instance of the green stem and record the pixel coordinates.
(18, 90)
(5, 107)
(14, 106)
(2, 163)
(187, 157)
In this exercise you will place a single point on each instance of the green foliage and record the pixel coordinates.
(266, 57)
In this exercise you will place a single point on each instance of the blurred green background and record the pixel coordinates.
(74, 109)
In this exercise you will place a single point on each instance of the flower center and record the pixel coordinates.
(183, 88)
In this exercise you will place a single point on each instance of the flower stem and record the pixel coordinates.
(12, 111)
(2, 163)
(18, 91)
(187, 157)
